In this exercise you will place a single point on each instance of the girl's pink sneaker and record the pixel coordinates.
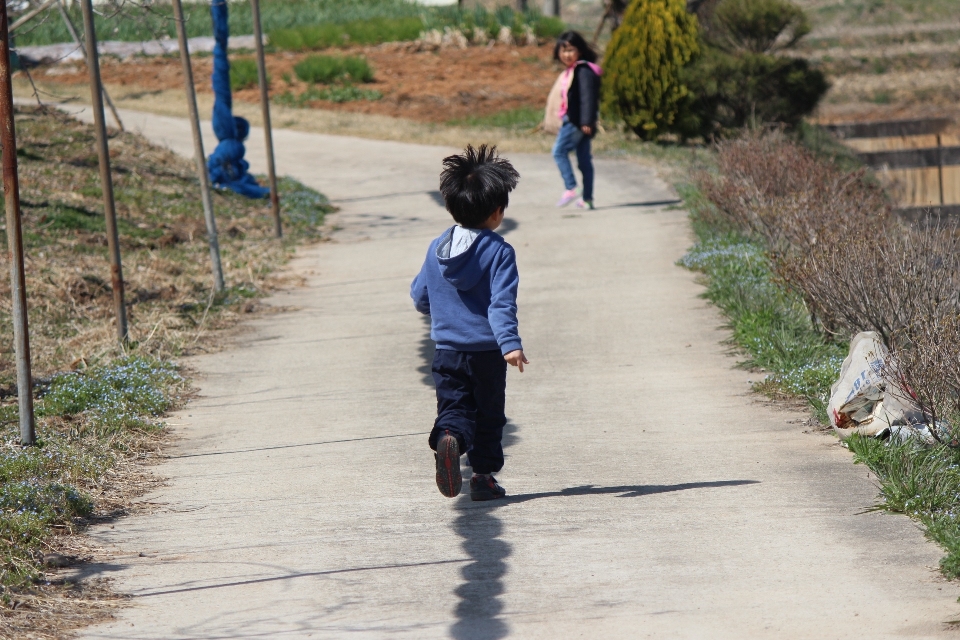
(567, 197)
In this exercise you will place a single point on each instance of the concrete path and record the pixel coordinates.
(651, 494)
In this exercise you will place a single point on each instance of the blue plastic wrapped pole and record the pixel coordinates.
(227, 167)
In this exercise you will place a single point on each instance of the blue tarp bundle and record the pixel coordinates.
(227, 167)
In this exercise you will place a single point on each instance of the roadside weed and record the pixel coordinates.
(357, 32)
(521, 118)
(769, 324)
(129, 394)
(244, 74)
(86, 419)
(327, 69)
(921, 482)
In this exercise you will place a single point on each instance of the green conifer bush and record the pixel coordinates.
(643, 62)
(745, 76)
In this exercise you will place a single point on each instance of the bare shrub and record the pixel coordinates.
(774, 190)
(833, 238)
(926, 370)
(891, 281)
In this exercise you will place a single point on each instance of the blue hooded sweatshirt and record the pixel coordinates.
(471, 298)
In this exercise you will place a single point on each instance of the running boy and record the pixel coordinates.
(468, 287)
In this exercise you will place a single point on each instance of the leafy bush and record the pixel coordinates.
(327, 69)
(643, 63)
(757, 26)
(739, 81)
(243, 74)
(548, 27)
(732, 91)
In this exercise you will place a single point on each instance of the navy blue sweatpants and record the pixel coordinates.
(471, 389)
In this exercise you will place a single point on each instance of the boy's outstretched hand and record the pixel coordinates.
(516, 359)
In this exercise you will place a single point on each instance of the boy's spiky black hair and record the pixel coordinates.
(476, 183)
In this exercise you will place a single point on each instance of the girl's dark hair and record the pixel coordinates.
(574, 38)
(476, 183)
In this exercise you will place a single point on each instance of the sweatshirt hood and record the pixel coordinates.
(465, 270)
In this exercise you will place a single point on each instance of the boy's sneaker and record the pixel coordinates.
(485, 487)
(568, 196)
(584, 204)
(449, 479)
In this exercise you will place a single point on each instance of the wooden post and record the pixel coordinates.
(265, 106)
(198, 148)
(11, 192)
(106, 182)
(940, 167)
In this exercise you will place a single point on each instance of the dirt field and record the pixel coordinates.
(886, 59)
(437, 87)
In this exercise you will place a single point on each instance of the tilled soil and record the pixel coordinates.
(438, 86)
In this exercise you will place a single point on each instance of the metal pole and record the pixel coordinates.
(198, 148)
(76, 38)
(265, 105)
(106, 182)
(11, 192)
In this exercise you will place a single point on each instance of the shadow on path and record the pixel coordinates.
(652, 203)
(626, 491)
(434, 195)
(479, 608)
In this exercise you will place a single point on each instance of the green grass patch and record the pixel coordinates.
(131, 22)
(521, 118)
(303, 207)
(318, 69)
(129, 394)
(244, 74)
(921, 482)
(359, 32)
(41, 490)
(334, 93)
(299, 24)
(769, 325)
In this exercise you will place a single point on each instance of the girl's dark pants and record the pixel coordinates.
(471, 388)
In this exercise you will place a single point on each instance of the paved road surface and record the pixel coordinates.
(651, 495)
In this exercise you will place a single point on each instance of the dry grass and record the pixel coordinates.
(92, 463)
(163, 242)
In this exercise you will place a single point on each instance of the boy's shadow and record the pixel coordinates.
(479, 608)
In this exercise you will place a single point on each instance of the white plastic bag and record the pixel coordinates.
(860, 399)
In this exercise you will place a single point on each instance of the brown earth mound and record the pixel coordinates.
(440, 86)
